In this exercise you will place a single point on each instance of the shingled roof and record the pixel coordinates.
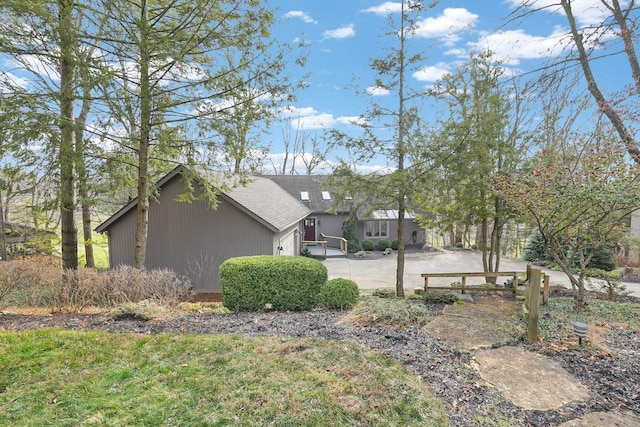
(260, 198)
(320, 199)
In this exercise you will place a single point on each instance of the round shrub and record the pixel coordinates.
(338, 293)
(394, 244)
(367, 245)
(383, 244)
(264, 282)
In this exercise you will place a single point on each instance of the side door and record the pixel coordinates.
(309, 229)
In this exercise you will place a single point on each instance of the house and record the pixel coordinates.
(193, 239)
(20, 240)
(327, 216)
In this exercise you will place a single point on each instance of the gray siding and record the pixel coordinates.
(330, 225)
(409, 227)
(288, 240)
(122, 238)
(190, 238)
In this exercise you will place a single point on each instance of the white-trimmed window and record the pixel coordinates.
(376, 229)
(326, 195)
(304, 196)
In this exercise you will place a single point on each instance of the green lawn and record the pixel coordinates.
(72, 378)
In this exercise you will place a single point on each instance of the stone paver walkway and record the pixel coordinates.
(529, 380)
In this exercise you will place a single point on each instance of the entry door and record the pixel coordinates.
(310, 229)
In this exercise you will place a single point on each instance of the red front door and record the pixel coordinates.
(310, 229)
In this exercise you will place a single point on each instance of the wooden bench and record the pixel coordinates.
(463, 284)
(532, 292)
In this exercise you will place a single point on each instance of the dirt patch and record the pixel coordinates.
(531, 381)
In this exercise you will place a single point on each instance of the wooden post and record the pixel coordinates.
(534, 305)
(464, 282)
(515, 285)
(528, 274)
(426, 283)
(545, 290)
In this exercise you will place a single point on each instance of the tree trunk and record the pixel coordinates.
(627, 37)
(81, 170)
(142, 212)
(3, 243)
(401, 248)
(401, 154)
(86, 234)
(66, 154)
(484, 227)
(603, 104)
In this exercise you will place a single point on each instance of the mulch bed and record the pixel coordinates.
(612, 378)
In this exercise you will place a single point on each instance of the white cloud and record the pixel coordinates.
(586, 12)
(290, 111)
(316, 121)
(385, 8)
(352, 120)
(36, 64)
(431, 73)
(306, 118)
(458, 53)
(447, 26)
(301, 15)
(11, 80)
(514, 45)
(377, 91)
(340, 33)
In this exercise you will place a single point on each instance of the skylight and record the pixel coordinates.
(304, 196)
(326, 195)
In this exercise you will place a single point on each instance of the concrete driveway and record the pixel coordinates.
(380, 272)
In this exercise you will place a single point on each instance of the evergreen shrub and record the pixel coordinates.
(264, 282)
(367, 245)
(349, 233)
(383, 244)
(338, 294)
(439, 297)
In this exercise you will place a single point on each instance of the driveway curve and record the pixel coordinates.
(379, 272)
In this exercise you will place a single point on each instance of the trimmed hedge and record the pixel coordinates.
(264, 282)
(338, 293)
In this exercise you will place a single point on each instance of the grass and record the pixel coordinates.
(557, 317)
(391, 312)
(77, 378)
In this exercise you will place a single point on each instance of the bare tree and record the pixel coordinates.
(318, 154)
(619, 25)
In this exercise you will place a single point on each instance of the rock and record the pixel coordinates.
(465, 298)
(360, 254)
(388, 251)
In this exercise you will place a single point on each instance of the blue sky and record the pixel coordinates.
(343, 36)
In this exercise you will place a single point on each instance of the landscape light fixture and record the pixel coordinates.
(580, 330)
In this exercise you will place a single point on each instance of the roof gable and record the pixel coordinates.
(267, 201)
(260, 198)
